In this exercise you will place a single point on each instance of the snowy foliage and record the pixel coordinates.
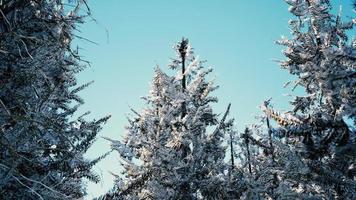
(177, 147)
(41, 145)
(312, 152)
(168, 152)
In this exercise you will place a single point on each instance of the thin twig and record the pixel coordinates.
(3, 105)
(134, 111)
(45, 186)
(34, 181)
(32, 190)
(222, 120)
(28, 53)
(6, 20)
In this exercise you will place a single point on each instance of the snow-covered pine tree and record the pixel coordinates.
(315, 142)
(271, 167)
(256, 163)
(168, 152)
(41, 145)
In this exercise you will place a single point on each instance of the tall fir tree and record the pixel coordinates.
(168, 152)
(41, 145)
(313, 147)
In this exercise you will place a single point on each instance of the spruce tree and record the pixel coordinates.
(168, 152)
(41, 144)
(313, 147)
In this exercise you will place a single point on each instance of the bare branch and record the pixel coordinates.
(221, 124)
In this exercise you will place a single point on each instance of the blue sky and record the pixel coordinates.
(236, 37)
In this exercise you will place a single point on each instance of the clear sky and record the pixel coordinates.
(236, 37)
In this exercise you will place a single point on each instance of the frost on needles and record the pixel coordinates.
(177, 147)
(41, 143)
(311, 153)
(168, 152)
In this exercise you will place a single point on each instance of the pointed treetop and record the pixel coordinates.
(183, 47)
(184, 52)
